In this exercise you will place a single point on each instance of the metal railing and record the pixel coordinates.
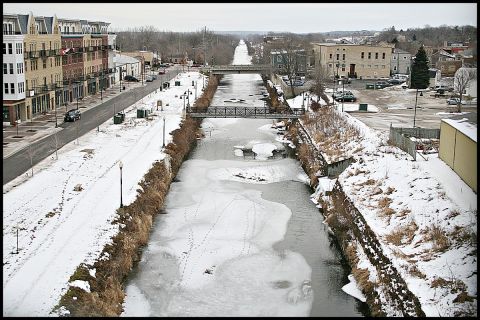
(244, 112)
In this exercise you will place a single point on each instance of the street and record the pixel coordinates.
(19, 162)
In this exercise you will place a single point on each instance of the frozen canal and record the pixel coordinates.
(240, 236)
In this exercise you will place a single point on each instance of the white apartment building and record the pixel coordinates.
(13, 71)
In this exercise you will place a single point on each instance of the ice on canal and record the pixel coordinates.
(213, 249)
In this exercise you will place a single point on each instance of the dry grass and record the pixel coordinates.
(389, 190)
(414, 271)
(384, 202)
(439, 238)
(369, 182)
(403, 235)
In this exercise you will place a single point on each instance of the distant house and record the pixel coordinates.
(458, 146)
(448, 68)
(178, 58)
(300, 60)
(400, 62)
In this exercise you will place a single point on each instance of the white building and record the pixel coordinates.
(400, 62)
(13, 70)
(112, 43)
(129, 66)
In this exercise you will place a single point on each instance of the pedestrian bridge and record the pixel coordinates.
(238, 69)
(245, 112)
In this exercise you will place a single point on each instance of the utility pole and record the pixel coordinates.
(204, 48)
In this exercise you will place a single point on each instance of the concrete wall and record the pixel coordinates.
(460, 153)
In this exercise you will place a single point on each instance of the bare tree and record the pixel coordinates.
(31, 153)
(463, 77)
(55, 143)
(291, 60)
(320, 78)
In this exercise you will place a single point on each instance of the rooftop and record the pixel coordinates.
(465, 123)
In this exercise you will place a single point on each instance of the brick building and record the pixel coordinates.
(354, 60)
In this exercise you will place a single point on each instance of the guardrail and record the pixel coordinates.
(244, 112)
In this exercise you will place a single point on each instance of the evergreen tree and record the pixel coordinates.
(420, 77)
(414, 37)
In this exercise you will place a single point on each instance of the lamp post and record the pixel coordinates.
(163, 145)
(343, 93)
(415, 109)
(183, 96)
(188, 97)
(120, 165)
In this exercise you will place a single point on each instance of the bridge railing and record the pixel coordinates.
(244, 112)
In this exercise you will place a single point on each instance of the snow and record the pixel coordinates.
(464, 126)
(264, 150)
(59, 228)
(352, 289)
(81, 284)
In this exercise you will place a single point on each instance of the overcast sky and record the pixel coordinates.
(292, 17)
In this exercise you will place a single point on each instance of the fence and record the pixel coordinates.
(400, 137)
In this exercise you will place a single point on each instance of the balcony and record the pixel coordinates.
(33, 54)
(43, 53)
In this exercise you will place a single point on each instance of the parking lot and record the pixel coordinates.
(396, 106)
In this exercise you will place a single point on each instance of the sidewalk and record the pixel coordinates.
(18, 137)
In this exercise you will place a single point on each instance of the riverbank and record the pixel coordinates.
(105, 295)
(414, 226)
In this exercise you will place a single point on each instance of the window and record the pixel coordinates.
(4, 48)
(343, 58)
(404, 58)
(363, 55)
(394, 68)
(369, 55)
(383, 55)
(12, 87)
(370, 66)
(376, 55)
(11, 68)
(331, 56)
(394, 57)
(6, 88)
(343, 69)
(338, 56)
(20, 68)
(21, 87)
(5, 68)
(10, 48)
(376, 66)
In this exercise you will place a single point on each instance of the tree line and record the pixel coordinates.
(217, 48)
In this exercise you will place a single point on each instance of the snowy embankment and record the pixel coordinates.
(59, 228)
(424, 216)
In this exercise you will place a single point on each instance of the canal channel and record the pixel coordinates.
(239, 235)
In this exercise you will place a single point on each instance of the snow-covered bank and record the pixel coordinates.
(59, 228)
(423, 215)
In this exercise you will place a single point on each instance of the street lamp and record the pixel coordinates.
(188, 97)
(120, 165)
(163, 146)
(415, 109)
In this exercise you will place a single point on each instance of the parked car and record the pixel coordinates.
(395, 81)
(149, 79)
(381, 84)
(130, 78)
(72, 115)
(453, 101)
(337, 94)
(154, 76)
(346, 97)
(161, 71)
(345, 80)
